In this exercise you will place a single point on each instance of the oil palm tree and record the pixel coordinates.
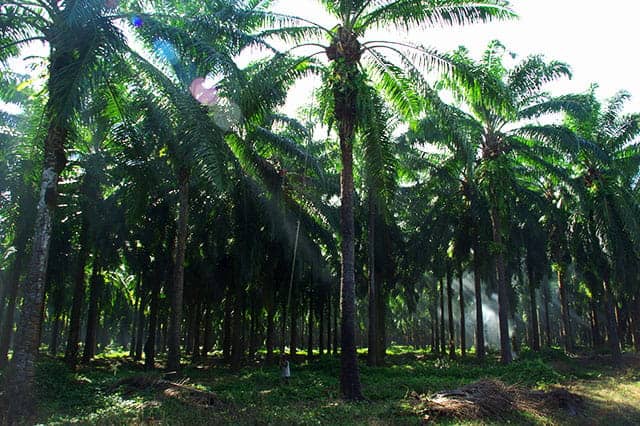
(507, 139)
(83, 42)
(607, 166)
(355, 65)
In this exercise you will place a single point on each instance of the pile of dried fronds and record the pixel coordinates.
(181, 391)
(492, 399)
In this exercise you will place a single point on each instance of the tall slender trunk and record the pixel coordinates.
(635, 315)
(503, 294)
(321, 328)
(345, 51)
(58, 302)
(329, 327)
(237, 349)
(435, 337)
(595, 324)
(443, 343)
(134, 323)
(293, 329)
(477, 287)
(533, 308)
(95, 293)
(463, 343)
(547, 320)
(208, 332)
(283, 328)
(195, 354)
(335, 326)
(310, 330)
(612, 326)
(621, 320)
(253, 329)
(141, 321)
(71, 353)
(150, 344)
(177, 283)
(21, 375)
(226, 326)
(452, 330)
(381, 329)
(270, 333)
(372, 358)
(567, 335)
(9, 313)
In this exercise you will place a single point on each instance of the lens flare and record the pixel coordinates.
(226, 114)
(137, 21)
(166, 51)
(203, 92)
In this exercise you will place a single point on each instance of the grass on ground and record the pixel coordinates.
(256, 394)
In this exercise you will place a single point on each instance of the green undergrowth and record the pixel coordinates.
(257, 395)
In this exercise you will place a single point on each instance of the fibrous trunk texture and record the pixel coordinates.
(177, 283)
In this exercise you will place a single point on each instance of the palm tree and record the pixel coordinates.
(505, 142)
(452, 173)
(354, 65)
(607, 167)
(83, 42)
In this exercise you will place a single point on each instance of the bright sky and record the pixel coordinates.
(598, 39)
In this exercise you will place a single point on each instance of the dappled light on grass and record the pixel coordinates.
(257, 394)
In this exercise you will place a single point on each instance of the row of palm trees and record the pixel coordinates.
(177, 216)
(525, 193)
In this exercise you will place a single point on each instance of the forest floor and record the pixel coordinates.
(115, 390)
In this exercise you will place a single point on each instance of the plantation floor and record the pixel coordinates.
(256, 395)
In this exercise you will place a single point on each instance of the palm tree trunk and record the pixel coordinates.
(435, 339)
(208, 337)
(635, 325)
(58, 303)
(71, 353)
(321, 328)
(452, 330)
(479, 317)
(226, 326)
(344, 96)
(8, 320)
(270, 333)
(195, 327)
(443, 344)
(150, 344)
(20, 377)
(237, 349)
(503, 301)
(595, 324)
(134, 322)
(335, 326)
(310, 330)
(567, 335)
(381, 329)
(612, 327)
(293, 331)
(463, 343)
(373, 317)
(175, 317)
(253, 328)
(533, 307)
(94, 310)
(547, 320)
(141, 321)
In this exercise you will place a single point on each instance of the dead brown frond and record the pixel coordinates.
(181, 391)
(492, 399)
